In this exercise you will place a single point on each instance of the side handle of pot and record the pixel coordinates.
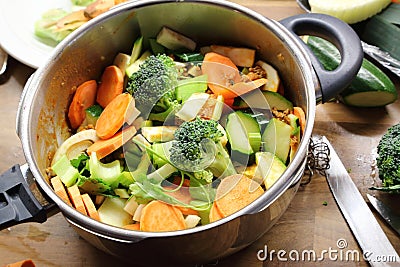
(21, 200)
(343, 37)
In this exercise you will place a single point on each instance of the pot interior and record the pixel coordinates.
(87, 51)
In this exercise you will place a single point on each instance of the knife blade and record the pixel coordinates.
(386, 213)
(371, 238)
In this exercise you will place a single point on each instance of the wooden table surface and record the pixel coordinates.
(308, 224)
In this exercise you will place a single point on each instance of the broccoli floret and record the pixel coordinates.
(153, 85)
(197, 147)
(388, 160)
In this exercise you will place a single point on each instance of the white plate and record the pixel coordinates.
(17, 19)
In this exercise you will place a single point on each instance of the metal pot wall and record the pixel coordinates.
(41, 123)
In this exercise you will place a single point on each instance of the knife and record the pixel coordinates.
(386, 213)
(373, 242)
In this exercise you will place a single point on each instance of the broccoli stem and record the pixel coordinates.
(222, 165)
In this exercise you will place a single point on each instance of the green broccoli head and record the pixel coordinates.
(388, 160)
(197, 147)
(154, 83)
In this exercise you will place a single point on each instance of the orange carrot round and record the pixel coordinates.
(114, 115)
(111, 85)
(158, 216)
(222, 74)
(84, 97)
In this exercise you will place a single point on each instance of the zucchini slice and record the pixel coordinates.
(262, 100)
(244, 136)
(276, 139)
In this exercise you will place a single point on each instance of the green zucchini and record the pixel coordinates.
(270, 167)
(262, 100)
(244, 136)
(370, 88)
(276, 138)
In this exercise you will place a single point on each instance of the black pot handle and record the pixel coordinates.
(343, 37)
(18, 203)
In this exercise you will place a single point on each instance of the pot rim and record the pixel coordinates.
(24, 125)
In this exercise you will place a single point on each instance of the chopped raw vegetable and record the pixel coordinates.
(160, 217)
(84, 97)
(236, 192)
(174, 40)
(240, 56)
(60, 189)
(76, 199)
(115, 115)
(107, 146)
(90, 208)
(111, 85)
(166, 149)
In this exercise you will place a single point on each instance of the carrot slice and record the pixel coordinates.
(133, 226)
(84, 97)
(112, 85)
(158, 216)
(114, 115)
(215, 214)
(236, 192)
(222, 74)
(23, 263)
(76, 199)
(59, 189)
(90, 208)
(107, 146)
(299, 113)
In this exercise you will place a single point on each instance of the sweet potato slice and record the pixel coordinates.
(90, 208)
(107, 146)
(158, 216)
(215, 214)
(59, 189)
(236, 192)
(76, 199)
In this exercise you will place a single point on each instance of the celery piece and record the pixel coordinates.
(125, 179)
(108, 172)
(64, 169)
